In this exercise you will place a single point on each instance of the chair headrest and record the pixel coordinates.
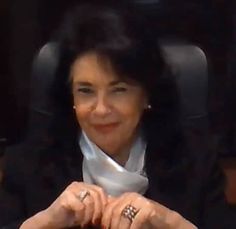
(187, 61)
(189, 65)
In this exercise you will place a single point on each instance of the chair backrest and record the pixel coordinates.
(187, 61)
(189, 65)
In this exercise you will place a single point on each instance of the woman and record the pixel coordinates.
(124, 164)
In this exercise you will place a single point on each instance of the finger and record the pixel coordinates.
(140, 221)
(124, 223)
(144, 210)
(78, 186)
(88, 202)
(73, 207)
(116, 206)
(126, 211)
(118, 219)
(100, 199)
(110, 199)
(108, 213)
(98, 207)
(102, 195)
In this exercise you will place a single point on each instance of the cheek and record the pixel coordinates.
(132, 113)
(82, 114)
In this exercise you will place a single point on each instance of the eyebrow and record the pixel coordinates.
(88, 84)
(82, 83)
(113, 83)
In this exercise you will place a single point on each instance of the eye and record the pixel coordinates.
(120, 89)
(85, 90)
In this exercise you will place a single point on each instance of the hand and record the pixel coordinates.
(71, 210)
(147, 214)
(79, 205)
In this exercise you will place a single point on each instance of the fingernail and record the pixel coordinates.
(84, 226)
(96, 222)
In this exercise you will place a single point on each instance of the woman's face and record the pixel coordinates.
(107, 109)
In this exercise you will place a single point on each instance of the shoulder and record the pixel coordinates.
(37, 180)
(18, 165)
(192, 184)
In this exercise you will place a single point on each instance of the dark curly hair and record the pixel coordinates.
(117, 33)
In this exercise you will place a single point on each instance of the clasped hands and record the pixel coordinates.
(84, 204)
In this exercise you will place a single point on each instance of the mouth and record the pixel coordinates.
(105, 128)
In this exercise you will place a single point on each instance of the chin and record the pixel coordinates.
(108, 142)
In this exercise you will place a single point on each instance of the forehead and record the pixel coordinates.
(92, 68)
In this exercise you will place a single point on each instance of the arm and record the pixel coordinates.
(217, 213)
(40, 219)
(131, 210)
(11, 209)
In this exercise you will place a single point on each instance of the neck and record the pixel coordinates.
(121, 157)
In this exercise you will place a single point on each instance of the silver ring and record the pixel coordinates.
(83, 194)
(129, 212)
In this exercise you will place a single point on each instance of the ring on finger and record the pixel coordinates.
(83, 194)
(129, 212)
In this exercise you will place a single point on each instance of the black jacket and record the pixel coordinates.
(195, 189)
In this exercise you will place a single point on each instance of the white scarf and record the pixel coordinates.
(102, 170)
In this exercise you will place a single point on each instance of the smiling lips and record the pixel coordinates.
(105, 128)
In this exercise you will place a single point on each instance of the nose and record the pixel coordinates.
(102, 107)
